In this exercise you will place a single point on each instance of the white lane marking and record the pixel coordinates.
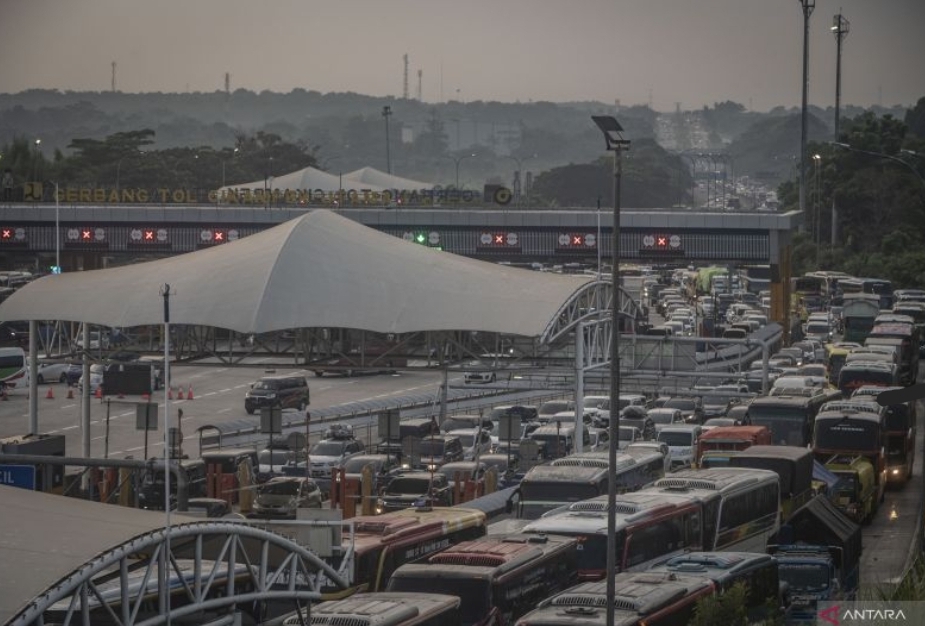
(70, 427)
(211, 393)
(223, 390)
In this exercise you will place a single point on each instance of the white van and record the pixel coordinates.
(683, 441)
(14, 371)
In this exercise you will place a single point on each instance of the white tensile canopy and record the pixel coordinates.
(308, 178)
(366, 178)
(372, 176)
(318, 270)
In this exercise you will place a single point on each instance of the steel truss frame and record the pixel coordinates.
(274, 565)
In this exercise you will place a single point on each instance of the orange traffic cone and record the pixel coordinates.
(70, 392)
(98, 393)
(189, 393)
(146, 397)
(50, 395)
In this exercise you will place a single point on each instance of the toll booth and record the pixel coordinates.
(38, 477)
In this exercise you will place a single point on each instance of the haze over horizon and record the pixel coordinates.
(657, 52)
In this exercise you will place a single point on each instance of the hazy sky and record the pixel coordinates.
(694, 52)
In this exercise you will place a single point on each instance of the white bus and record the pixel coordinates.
(748, 512)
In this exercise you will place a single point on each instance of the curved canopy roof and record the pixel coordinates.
(318, 270)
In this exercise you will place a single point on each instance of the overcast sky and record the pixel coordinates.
(694, 52)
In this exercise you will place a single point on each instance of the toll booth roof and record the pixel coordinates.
(31, 531)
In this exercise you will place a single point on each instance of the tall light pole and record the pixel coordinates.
(233, 153)
(340, 176)
(613, 136)
(840, 29)
(808, 6)
(57, 231)
(459, 160)
(817, 213)
(888, 157)
(387, 113)
(35, 159)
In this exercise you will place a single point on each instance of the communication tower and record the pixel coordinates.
(227, 83)
(420, 92)
(405, 84)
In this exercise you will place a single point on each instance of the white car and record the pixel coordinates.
(475, 442)
(51, 372)
(96, 378)
(682, 440)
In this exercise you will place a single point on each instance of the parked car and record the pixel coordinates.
(475, 442)
(283, 496)
(50, 371)
(415, 488)
(383, 466)
(691, 408)
(332, 452)
(287, 392)
(638, 418)
(665, 417)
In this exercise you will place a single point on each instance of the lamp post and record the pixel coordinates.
(808, 6)
(613, 137)
(888, 157)
(233, 153)
(387, 113)
(817, 201)
(459, 160)
(840, 29)
(57, 229)
(35, 159)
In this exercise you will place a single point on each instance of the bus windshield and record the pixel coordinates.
(475, 593)
(806, 576)
(847, 434)
(787, 424)
(676, 440)
(850, 379)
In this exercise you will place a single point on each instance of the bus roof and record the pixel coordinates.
(382, 608)
(590, 516)
(733, 433)
(567, 473)
(792, 453)
(492, 555)
(720, 479)
(715, 565)
(642, 593)
(397, 525)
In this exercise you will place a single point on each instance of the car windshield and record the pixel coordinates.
(684, 405)
(716, 400)
(720, 421)
(357, 463)
(431, 447)
(328, 448)
(283, 488)
(409, 485)
(627, 434)
(466, 439)
(675, 440)
(661, 418)
(817, 329)
(266, 384)
(451, 470)
(277, 457)
(804, 576)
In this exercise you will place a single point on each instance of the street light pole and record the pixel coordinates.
(840, 30)
(458, 160)
(808, 6)
(613, 136)
(889, 157)
(817, 200)
(387, 113)
(35, 160)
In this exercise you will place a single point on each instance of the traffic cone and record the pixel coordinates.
(189, 393)
(170, 393)
(98, 393)
(146, 397)
(70, 392)
(50, 395)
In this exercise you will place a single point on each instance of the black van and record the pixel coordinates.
(287, 392)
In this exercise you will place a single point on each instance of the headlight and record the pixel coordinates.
(271, 396)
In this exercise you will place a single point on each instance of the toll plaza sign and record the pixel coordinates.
(22, 476)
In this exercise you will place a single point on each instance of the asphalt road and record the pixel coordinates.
(218, 396)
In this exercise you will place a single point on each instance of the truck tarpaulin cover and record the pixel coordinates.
(819, 522)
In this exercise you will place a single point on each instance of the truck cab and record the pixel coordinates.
(856, 493)
(811, 576)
